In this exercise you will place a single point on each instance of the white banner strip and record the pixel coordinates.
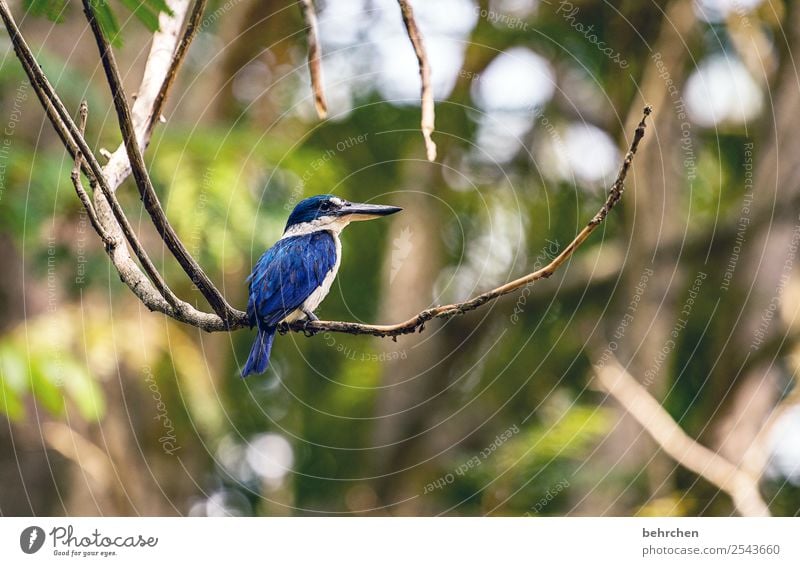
(400, 541)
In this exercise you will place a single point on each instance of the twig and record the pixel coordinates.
(448, 311)
(314, 57)
(635, 399)
(143, 182)
(428, 116)
(108, 242)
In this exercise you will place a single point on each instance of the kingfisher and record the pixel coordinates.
(293, 276)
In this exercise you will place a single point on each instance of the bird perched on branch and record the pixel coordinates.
(293, 277)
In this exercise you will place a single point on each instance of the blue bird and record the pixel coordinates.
(293, 276)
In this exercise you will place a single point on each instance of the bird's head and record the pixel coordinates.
(329, 212)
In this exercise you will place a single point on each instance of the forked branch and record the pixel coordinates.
(76, 144)
(143, 181)
(148, 286)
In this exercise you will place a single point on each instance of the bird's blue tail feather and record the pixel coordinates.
(258, 360)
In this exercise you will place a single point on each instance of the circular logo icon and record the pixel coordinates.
(31, 539)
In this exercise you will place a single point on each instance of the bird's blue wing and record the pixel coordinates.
(287, 274)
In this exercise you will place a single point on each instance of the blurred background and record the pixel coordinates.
(110, 409)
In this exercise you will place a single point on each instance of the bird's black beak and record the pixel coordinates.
(360, 211)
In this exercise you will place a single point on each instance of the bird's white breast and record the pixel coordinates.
(315, 298)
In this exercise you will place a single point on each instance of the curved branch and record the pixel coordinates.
(314, 57)
(448, 311)
(428, 116)
(741, 486)
(417, 323)
(143, 182)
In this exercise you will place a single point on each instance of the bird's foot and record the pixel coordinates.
(310, 317)
(283, 328)
(307, 332)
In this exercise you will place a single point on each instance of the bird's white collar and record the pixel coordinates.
(333, 224)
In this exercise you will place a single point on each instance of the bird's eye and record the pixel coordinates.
(326, 205)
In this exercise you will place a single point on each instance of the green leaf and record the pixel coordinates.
(12, 369)
(53, 10)
(45, 389)
(146, 11)
(84, 391)
(147, 15)
(10, 403)
(108, 22)
(159, 6)
(12, 382)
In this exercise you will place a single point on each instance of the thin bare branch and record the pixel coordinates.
(143, 182)
(637, 401)
(428, 115)
(448, 311)
(108, 242)
(314, 57)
